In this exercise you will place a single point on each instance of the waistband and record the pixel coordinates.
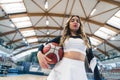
(77, 50)
(71, 61)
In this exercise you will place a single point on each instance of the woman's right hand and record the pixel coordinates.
(42, 59)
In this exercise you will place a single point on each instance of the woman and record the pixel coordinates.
(76, 47)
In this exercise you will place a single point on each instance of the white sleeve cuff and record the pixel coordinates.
(93, 63)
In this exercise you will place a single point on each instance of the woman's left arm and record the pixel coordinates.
(93, 63)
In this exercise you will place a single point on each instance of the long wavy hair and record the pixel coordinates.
(67, 33)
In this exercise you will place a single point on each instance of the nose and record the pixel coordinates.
(75, 21)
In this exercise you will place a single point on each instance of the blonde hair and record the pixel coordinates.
(80, 32)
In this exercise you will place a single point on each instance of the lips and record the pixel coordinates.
(75, 25)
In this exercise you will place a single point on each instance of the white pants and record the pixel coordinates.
(68, 69)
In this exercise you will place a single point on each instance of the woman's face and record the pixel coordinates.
(74, 23)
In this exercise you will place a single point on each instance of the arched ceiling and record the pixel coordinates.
(24, 20)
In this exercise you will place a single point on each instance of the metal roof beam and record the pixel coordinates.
(118, 49)
(112, 2)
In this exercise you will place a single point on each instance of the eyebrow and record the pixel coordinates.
(76, 19)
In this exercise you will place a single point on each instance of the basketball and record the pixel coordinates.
(54, 52)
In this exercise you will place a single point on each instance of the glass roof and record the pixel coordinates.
(28, 33)
(115, 20)
(14, 7)
(22, 22)
(104, 33)
(94, 41)
(10, 1)
(31, 40)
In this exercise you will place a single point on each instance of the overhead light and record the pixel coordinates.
(95, 48)
(23, 39)
(113, 38)
(48, 40)
(47, 22)
(26, 42)
(93, 12)
(46, 5)
(12, 25)
(48, 33)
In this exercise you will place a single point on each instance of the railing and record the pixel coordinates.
(90, 76)
(111, 76)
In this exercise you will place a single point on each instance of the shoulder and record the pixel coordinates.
(57, 38)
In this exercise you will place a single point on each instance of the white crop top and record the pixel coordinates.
(75, 44)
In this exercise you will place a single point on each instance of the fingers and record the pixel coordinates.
(42, 61)
(48, 59)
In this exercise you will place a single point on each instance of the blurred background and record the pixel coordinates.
(26, 24)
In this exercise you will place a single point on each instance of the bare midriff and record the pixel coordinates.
(75, 55)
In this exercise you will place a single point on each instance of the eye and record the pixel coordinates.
(75, 19)
(78, 21)
(72, 20)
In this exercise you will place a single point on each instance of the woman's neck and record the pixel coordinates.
(73, 33)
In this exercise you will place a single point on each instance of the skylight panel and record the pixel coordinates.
(19, 19)
(95, 41)
(14, 7)
(28, 33)
(115, 20)
(31, 40)
(10, 1)
(12, 25)
(22, 22)
(118, 14)
(105, 33)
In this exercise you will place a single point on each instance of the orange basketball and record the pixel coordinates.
(54, 52)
